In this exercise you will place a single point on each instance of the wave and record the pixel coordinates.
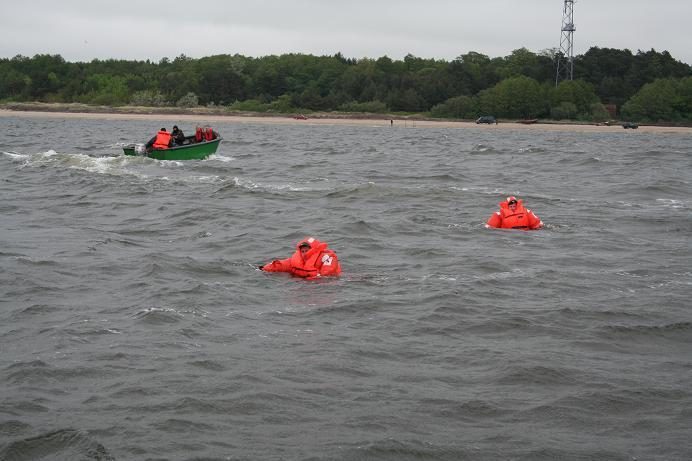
(16, 156)
(623, 402)
(540, 375)
(23, 408)
(482, 149)
(13, 428)
(391, 449)
(211, 365)
(441, 177)
(158, 316)
(59, 445)
(380, 192)
(38, 371)
(364, 228)
(36, 310)
(249, 185)
(221, 158)
(674, 204)
(677, 331)
(105, 165)
(532, 150)
(143, 169)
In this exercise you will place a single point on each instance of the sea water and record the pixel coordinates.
(134, 324)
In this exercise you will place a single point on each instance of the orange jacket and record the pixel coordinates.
(163, 139)
(521, 218)
(204, 134)
(318, 261)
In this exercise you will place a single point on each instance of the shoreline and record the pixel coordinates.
(204, 116)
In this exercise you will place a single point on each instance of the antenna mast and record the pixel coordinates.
(565, 57)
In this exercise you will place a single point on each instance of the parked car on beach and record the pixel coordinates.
(486, 119)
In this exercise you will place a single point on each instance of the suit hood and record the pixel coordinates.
(313, 243)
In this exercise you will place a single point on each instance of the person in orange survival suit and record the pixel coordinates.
(162, 140)
(312, 259)
(513, 215)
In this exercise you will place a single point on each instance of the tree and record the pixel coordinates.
(282, 104)
(617, 74)
(44, 74)
(471, 73)
(524, 62)
(518, 97)
(434, 85)
(148, 98)
(518, 85)
(564, 111)
(220, 79)
(12, 83)
(664, 99)
(189, 100)
(576, 92)
(457, 107)
(107, 90)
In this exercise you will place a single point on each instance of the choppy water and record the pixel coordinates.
(134, 325)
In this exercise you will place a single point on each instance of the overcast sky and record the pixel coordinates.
(442, 29)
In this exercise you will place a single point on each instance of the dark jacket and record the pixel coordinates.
(178, 136)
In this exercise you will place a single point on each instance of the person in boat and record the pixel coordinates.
(178, 136)
(162, 140)
(513, 215)
(312, 259)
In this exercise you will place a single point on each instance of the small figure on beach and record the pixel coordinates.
(513, 215)
(162, 140)
(311, 259)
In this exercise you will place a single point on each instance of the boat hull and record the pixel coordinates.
(196, 151)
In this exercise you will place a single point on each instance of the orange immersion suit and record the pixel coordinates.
(318, 261)
(163, 139)
(520, 218)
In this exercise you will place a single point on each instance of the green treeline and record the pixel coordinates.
(646, 87)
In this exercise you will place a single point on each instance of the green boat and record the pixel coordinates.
(190, 150)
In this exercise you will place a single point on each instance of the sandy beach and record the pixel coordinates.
(322, 119)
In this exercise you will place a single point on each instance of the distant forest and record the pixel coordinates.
(647, 86)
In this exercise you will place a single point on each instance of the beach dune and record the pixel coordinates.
(327, 119)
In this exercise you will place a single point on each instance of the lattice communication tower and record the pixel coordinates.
(565, 57)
